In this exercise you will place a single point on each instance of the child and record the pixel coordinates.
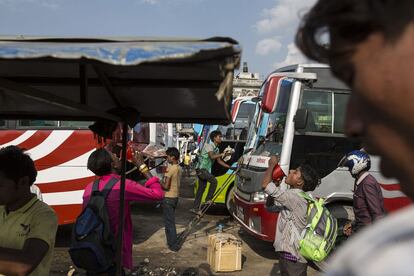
(171, 186)
(209, 154)
(105, 164)
(292, 217)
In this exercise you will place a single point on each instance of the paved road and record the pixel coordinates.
(149, 243)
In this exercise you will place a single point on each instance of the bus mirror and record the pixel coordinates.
(256, 99)
(271, 90)
(301, 119)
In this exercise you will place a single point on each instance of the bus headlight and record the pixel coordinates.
(259, 197)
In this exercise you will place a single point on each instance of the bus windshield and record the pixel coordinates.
(253, 128)
(273, 124)
(239, 130)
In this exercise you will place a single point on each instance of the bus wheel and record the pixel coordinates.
(343, 213)
(230, 200)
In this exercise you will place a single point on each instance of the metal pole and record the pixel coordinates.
(119, 242)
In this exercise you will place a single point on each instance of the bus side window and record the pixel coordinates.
(2, 123)
(319, 105)
(243, 134)
(37, 123)
(141, 133)
(341, 101)
(75, 124)
(229, 134)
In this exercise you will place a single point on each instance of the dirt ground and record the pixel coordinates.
(151, 257)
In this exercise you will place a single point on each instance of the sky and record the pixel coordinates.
(264, 28)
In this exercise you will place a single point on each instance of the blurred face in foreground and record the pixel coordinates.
(381, 107)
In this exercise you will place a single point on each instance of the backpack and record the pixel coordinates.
(318, 237)
(92, 243)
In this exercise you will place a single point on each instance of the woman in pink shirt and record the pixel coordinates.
(105, 165)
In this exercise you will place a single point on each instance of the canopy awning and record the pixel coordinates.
(173, 80)
(164, 80)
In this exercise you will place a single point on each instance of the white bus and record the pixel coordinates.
(300, 117)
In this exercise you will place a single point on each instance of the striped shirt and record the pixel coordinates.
(288, 256)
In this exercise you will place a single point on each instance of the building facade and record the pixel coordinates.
(246, 83)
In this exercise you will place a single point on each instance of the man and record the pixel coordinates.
(209, 154)
(369, 44)
(368, 200)
(292, 218)
(105, 165)
(171, 185)
(27, 225)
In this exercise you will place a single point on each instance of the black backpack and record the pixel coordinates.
(92, 242)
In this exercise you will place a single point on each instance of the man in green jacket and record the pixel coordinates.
(209, 154)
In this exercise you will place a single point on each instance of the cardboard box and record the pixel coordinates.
(224, 252)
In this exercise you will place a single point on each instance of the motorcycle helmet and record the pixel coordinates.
(356, 161)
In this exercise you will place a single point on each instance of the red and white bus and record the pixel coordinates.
(60, 150)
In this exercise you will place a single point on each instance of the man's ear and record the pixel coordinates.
(301, 182)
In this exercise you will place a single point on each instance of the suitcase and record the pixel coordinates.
(224, 252)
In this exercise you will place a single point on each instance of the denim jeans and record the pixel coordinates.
(168, 207)
(203, 177)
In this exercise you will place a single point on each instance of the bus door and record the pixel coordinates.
(322, 142)
(235, 134)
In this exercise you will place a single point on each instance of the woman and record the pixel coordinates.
(105, 165)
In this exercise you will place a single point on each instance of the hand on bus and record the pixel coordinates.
(273, 161)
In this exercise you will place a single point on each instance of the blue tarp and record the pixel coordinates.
(111, 52)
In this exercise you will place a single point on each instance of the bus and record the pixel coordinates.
(301, 119)
(234, 136)
(60, 150)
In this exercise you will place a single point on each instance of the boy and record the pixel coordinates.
(209, 154)
(27, 225)
(292, 217)
(171, 185)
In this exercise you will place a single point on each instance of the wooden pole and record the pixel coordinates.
(121, 219)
